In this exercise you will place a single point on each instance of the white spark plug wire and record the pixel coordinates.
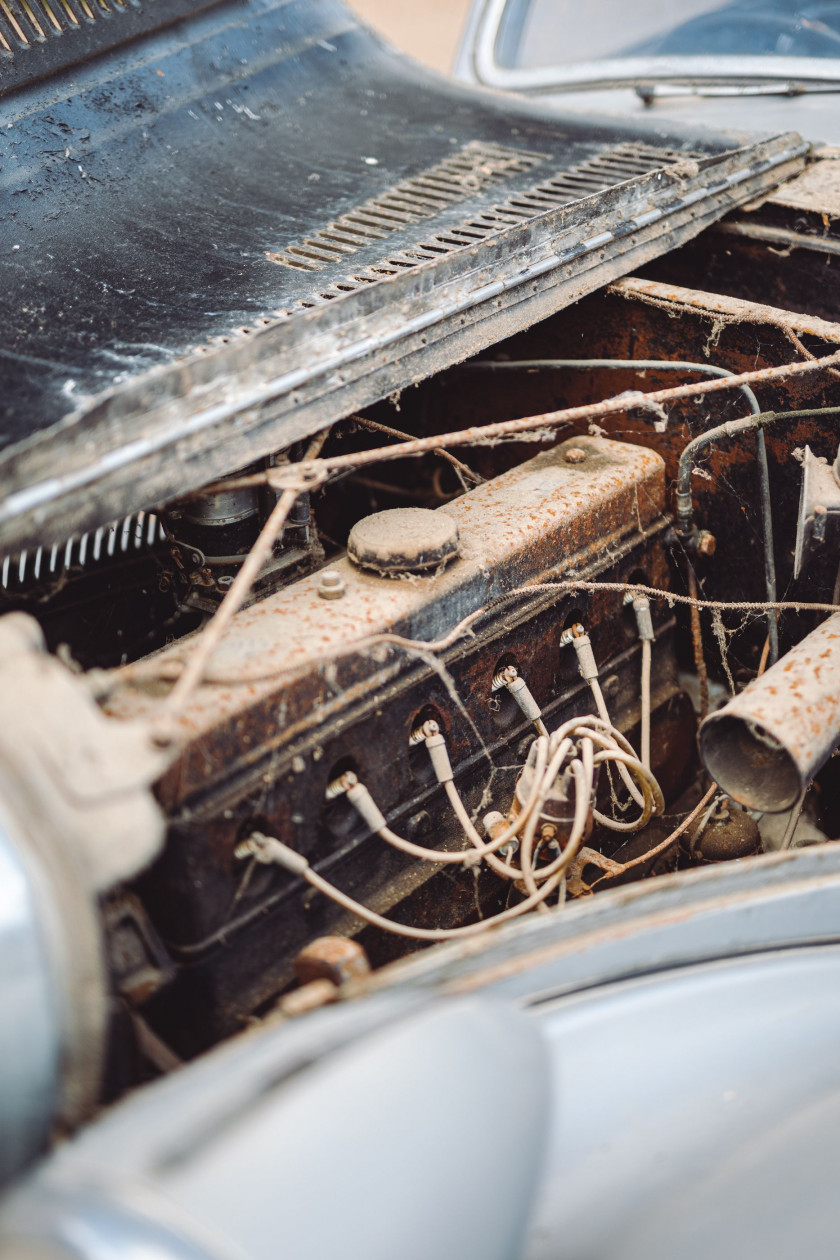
(569, 756)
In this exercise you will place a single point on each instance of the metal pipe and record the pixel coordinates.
(730, 428)
(685, 503)
(778, 236)
(702, 369)
(765, 746)
(769, 555)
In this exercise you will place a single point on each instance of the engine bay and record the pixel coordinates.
(419, 642)
(445, 665)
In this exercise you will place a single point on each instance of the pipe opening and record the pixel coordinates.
(749, 763)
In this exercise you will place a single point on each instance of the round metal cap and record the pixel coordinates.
(403, 540)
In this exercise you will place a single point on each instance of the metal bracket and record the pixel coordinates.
(819, 509)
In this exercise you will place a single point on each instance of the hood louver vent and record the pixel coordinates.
(474, 168)
(27, 22)
(39, 37)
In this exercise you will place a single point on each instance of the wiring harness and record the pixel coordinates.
(551, 815)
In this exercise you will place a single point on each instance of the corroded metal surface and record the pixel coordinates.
(543, 517)
(728, 307)
(765, 746)
(137, 374)
(298, 693)
(333, 958)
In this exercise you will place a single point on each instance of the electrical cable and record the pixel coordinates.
(645, 716)
(663, 844)
(702, 369)
(581, 736)
(588, 667)
(644, 624)
(484, 851)
(464, 470)
(208, 640)
(313, 472)
(685, 507)
(274, 851)
(360, 798)
(580, 745)
(793, 822)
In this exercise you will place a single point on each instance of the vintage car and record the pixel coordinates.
(419, 665)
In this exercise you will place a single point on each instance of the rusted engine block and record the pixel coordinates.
(301, 690)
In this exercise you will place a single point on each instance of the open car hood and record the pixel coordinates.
(226, 229)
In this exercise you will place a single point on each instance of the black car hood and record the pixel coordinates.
(225, 232)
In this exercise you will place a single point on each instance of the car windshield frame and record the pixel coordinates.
(790, 75)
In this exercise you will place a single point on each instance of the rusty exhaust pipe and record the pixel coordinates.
(765, 746)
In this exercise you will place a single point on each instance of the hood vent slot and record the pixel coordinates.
(457, 178)
(30, 46)
(27, 22)
(616, 165)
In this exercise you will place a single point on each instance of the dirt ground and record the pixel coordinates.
(428, 29)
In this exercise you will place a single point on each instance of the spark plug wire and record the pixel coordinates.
(570, 756)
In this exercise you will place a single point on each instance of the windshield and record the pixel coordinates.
(540, 33)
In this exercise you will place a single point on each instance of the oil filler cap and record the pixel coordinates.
(403, 540)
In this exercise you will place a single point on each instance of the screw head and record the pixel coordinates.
(225, 582)
(575, 455)
(331, 585)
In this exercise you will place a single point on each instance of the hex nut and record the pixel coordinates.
(331, 585)
(334, 958)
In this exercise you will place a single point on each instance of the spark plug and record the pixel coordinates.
(269, 851)
(341, 785)
(510, 678)
(429, 733)
(579, 639)
(348, 785)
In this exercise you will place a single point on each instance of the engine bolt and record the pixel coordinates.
(332, 585)
(332, 958)
(575, 455)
